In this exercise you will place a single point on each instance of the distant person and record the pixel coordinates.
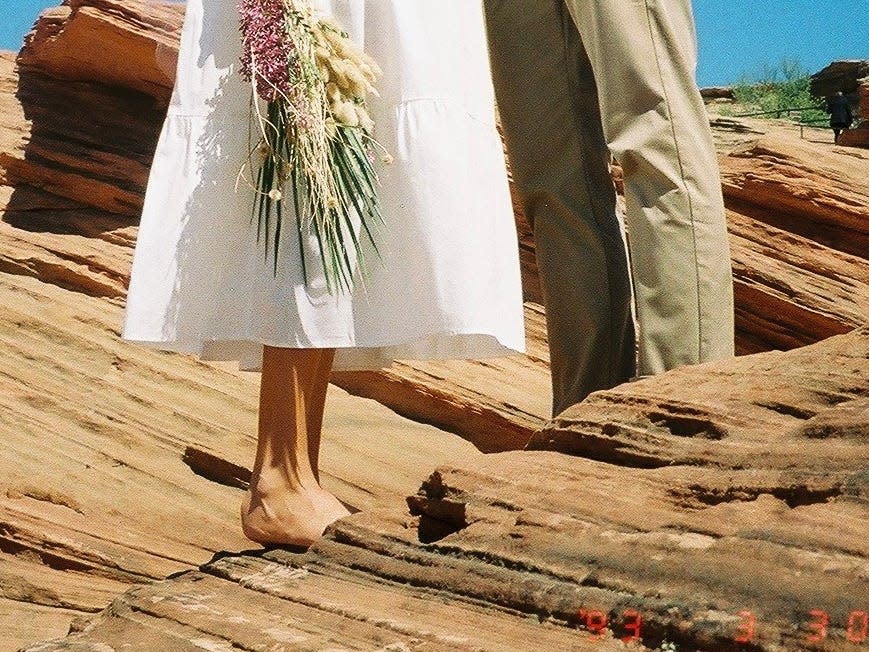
(840, 114)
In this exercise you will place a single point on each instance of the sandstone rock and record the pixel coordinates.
(496, 404)
(120, 464)
(858, 136)
(844, 75)
(94, 79)
(798, 216)
(89, 143)
(752, 412)
(131, 45)
(817, 192)
(279, 602)
(113, 451)
(716, 93)
(790, 290)
(710, 515)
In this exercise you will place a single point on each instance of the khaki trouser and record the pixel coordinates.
(576, 80)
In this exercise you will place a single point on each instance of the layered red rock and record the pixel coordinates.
(844, 75)
(819, 192)
(789, 289)
(754, 412)
(142, 443)
(858, 136)
(720, 507)
(131, 45)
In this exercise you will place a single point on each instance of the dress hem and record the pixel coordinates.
(349, 357)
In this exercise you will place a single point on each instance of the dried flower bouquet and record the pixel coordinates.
(315, 135)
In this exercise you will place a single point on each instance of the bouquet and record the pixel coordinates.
(314, 134)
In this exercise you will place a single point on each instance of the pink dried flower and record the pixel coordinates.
(268, 53)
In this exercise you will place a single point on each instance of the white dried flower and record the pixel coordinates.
(345, 114)
(365, 120)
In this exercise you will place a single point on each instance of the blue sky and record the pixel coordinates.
(737, 37)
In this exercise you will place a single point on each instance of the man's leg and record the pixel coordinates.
(549, 111)
(643, 54)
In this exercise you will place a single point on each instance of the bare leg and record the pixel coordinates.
(285, 503)
(316, 405)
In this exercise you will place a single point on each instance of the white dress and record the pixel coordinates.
(449, 284)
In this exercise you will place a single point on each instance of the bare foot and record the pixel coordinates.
(283, 516)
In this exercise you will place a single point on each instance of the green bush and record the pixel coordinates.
(778, 88)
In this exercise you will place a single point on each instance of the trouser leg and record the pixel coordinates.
(549, 110)
(643, 54)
